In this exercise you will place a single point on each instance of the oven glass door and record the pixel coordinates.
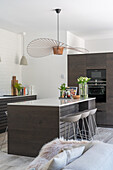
(97, 91)
(97, 74)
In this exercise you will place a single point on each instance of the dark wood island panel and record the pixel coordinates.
(29, 128)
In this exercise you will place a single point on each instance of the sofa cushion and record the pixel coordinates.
(64, 158)
(98, 157)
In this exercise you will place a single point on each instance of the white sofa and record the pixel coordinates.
(98, 157)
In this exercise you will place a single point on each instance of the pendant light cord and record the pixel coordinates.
(58, 11)
(58, 28)
(23, 44)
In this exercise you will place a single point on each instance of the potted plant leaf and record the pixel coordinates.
(18, 86)
(62, 89)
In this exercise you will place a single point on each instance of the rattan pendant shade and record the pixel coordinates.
(42, 47)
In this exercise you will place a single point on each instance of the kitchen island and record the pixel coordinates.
(31, 124)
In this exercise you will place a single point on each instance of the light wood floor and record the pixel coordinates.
(11, 162)
(14, 162)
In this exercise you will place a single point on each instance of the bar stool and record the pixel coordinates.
(4, 137)
(85, 125)
(74, 120)
(93, 122)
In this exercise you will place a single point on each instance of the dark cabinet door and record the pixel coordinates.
(109, 114)
(96, 61)
(109, 76)
(109, 88)
(104, 114)
(76, 68)
(101, 115)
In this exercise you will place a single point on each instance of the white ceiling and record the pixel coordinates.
(82, 17)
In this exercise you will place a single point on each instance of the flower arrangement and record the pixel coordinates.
(83, 87)
(83, 80)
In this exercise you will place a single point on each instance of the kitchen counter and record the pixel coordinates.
(31, 124)
(51, 102)
(11, 96)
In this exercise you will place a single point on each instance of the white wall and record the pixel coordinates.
(99, 45)
(48, 73)
(10, 53)
(74, 41)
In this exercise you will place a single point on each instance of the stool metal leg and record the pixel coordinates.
(65, 130)
(92, 127)
(74, 130)
(93, 117)
(88, 128)
(79, 130)
(68, 130)
(84, 129)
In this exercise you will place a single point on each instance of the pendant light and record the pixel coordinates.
(23, 60)
(45, 46)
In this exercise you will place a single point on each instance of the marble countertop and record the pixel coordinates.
(9, 96)
(53, 102)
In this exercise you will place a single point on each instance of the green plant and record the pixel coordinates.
(62, 87)
(18, 86)
(82, 80)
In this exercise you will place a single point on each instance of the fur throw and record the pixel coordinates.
(51, 149)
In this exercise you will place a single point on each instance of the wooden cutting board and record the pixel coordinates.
(13, 89)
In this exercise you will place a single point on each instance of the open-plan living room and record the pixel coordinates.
(56, 75)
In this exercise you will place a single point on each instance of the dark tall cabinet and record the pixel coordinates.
(77, 66)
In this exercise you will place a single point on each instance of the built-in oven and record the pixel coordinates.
(97, 74)
(97, 84)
